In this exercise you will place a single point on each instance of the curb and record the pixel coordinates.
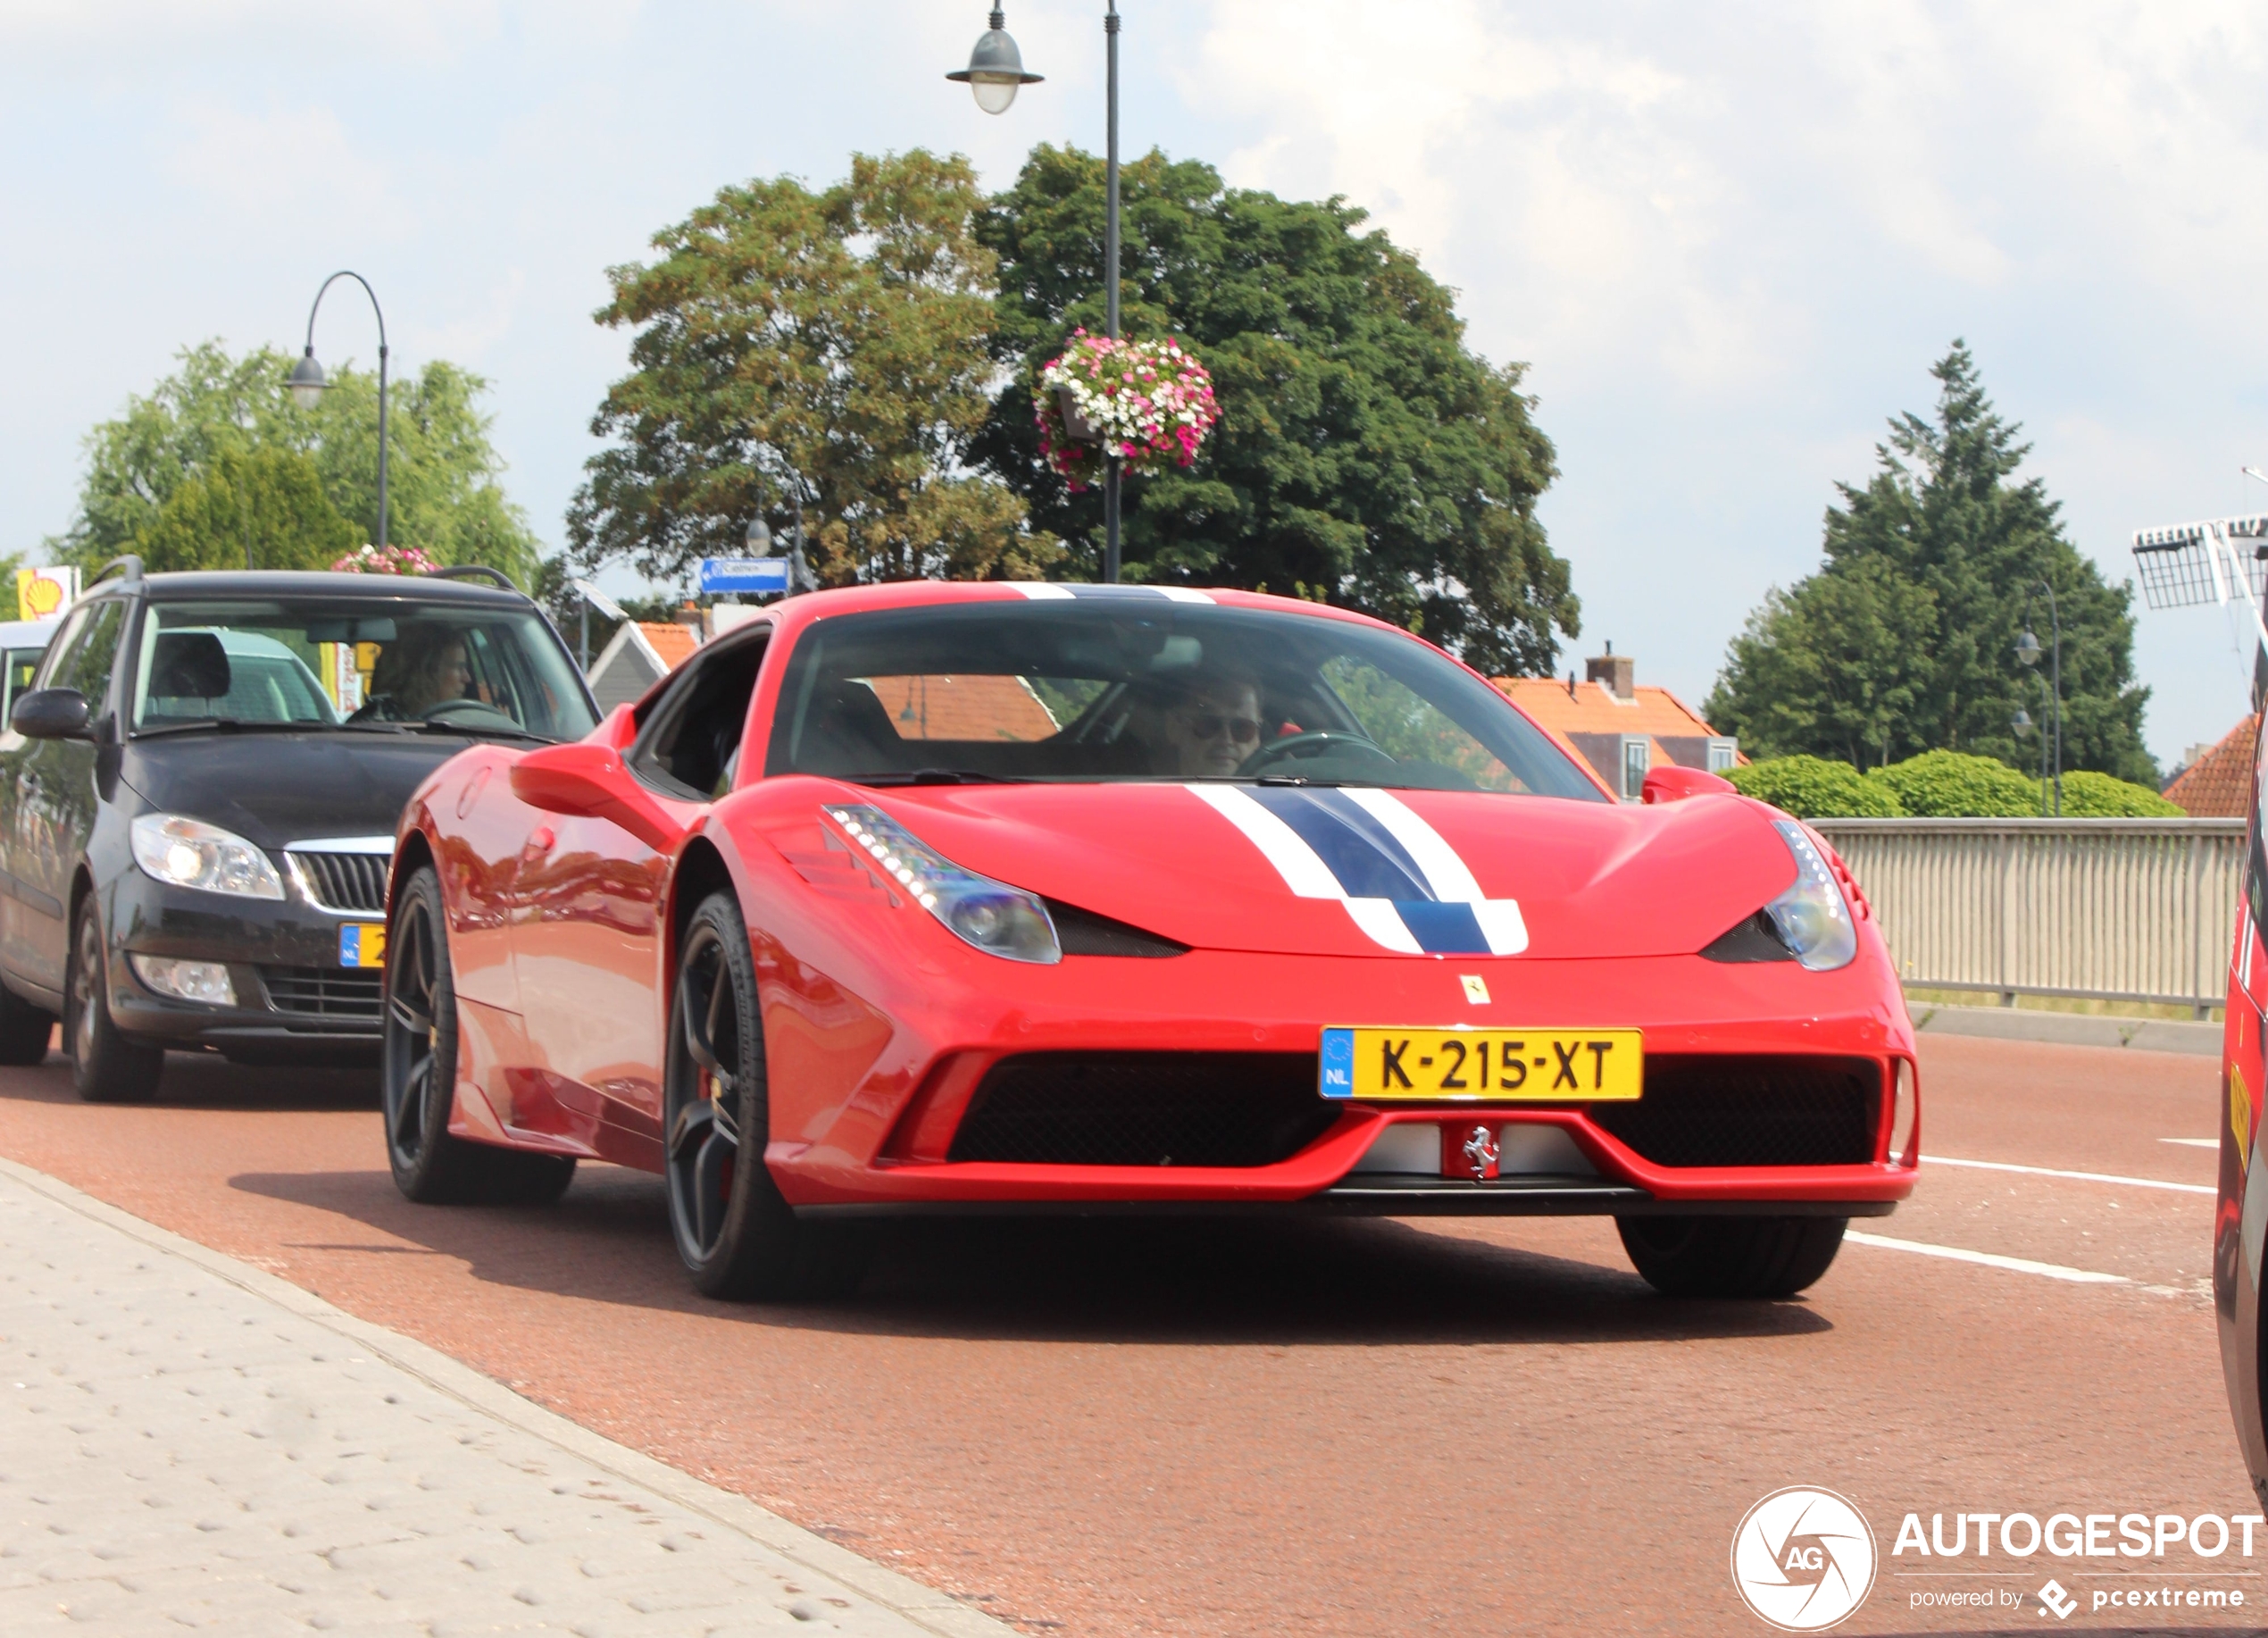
(924, 1606)
(2071, 1029)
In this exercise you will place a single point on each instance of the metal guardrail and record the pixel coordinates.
(2106, 909)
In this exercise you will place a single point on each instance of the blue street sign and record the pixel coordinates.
(765, 576)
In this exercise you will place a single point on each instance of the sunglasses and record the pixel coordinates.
(1212, 724)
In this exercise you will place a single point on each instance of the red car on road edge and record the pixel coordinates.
(1021, 898)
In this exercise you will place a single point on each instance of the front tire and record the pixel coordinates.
(1751, 1257)
(106, 1067)
(736, 1234)
(418, 1071)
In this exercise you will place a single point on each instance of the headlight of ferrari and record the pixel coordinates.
(1810, 916)
(998, 919)
(189, 853)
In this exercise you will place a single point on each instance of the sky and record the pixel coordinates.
(1727, 240)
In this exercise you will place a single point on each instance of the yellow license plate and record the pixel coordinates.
(1484, 1066)
(362, 944)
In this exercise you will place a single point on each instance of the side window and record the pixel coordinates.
(692, 749)
(60, 648)
(82, 655)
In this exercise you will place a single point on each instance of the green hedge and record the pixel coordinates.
(1814, 788)
(2088, 795)
(1936, 785)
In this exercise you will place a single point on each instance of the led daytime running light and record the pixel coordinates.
(1810, 916)
(995, 918)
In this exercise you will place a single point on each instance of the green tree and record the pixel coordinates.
(261, 507)
(1838, 664)
(443, 491)
(1365, 455)
(835, 340)
(1904, 640)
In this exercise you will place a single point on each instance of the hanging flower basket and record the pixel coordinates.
(393, 560)
(1150, 402)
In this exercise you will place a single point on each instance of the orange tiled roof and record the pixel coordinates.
(1570, 715)
(2218, 785)
(963, 707)
(672, 642)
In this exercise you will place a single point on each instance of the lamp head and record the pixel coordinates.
(996, 68)
(2028, 649)
(307, 383)
(759, 537)
(2020, 722)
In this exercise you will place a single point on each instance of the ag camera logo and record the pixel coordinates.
(1803, 1558)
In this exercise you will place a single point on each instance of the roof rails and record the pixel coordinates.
(473, 571)
(131, 564)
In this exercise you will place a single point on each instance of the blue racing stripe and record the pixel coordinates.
(1443, 929)
(1358, 851)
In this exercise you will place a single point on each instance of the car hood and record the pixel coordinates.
(275, 789)
(1295, 870)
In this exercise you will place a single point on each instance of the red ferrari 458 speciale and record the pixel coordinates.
(1008, 897)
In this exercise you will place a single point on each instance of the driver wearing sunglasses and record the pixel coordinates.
(1208, 727)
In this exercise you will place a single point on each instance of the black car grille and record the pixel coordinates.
(340, 993)
(1709, 1110)
(1144, 1109)
(346, 881)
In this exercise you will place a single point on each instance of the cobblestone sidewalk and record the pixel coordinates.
(189, 1443)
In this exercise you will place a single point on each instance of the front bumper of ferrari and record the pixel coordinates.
(884, 1140)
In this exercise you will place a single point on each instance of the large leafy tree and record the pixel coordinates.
(1904, 640)
(223, 423)
(1365, 455)
(830, 345)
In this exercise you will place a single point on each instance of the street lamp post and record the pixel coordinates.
(307, 381)
(2028, 653)
(996, 68)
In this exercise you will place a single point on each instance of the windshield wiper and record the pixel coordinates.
(227, 724)
(938, 776)
(473, 731)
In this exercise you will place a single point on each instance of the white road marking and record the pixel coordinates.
(2085, 1177)
(2194, 1142)
(2014, 1265)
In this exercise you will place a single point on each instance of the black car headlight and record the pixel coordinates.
(1810, 916)
(190, 853)
(997, 919)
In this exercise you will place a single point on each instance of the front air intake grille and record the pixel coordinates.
(1144, 1109)
(345, 880)
(1778, 1110)
(342, 994)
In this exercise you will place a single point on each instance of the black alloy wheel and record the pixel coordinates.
(106, 1067)
(418, 1071)
(1750, 1258)
(736, 1232)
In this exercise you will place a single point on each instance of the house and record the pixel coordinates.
(640, 652)
(1618, 727)
(2215, 782)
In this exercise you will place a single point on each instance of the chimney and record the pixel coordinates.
(1614, 669)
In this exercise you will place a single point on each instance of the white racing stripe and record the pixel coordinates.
(1040, 590)
(1987, 1259)
(1445, 873)
(2085, 1177)
(2194, 1142)
(1300, 866)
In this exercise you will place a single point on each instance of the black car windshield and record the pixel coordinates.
(396, 665)
(1102, 688)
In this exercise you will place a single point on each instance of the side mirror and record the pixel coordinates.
(51, 713)
(1674, 784)
(583, 780)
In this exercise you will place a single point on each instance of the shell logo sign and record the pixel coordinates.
(42, 593)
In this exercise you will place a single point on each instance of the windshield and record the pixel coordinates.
(355, 665)
(1098, 689)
